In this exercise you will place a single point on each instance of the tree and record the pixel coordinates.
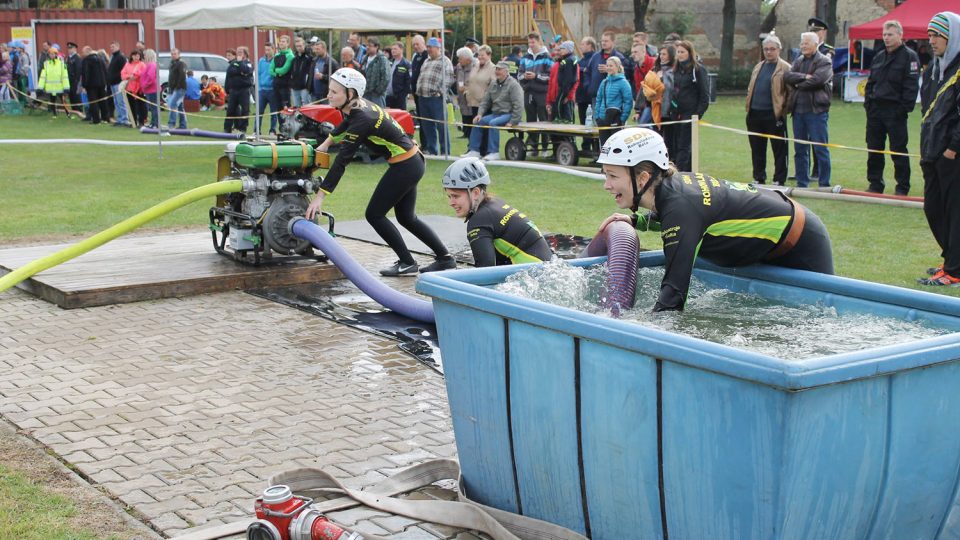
(726, 41)
(640, 15)
(831, 21)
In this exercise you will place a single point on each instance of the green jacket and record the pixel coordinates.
(378, 74)
(54, 78)
(281, 64)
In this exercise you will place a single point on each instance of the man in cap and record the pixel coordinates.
(940, 144)
(819, 27)
(890, 95)
(473, 45)
(436, 76)
(502, 105)
(74, 72)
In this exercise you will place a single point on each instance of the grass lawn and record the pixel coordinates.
(64, 190)
(29, 511)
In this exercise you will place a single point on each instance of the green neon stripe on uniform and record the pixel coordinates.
(764, 228)
(395, 149)
(338, 138)
(515, 254)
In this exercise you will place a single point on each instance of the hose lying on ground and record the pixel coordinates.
(620, 244)
(125, 226)
(408, 306)
(195, 133)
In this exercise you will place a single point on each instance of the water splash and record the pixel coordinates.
(741, 320)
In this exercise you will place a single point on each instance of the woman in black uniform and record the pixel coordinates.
(498, 233)
(365, 122)
(726, 223)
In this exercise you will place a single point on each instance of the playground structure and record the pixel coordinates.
(509, 22)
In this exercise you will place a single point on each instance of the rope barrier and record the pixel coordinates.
(516, 128)
(801, 141)
(38, 100)
(163, 106)
(572, 131)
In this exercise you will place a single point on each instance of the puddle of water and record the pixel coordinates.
(341, 302)
(741, 320)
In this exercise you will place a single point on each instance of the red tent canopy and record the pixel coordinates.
(914, 16)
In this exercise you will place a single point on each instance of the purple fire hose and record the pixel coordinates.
(195, 133)
(619, 242)
(408, 306)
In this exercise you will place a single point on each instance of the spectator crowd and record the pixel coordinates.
(590, 83)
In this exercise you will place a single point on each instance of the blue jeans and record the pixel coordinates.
(118, 105)
(299, 98)
(493, 135)
(152, 107)
(435, 137)
(811, 127)
(269, 97)
(646, 117)
(175, 104)
(379, 99)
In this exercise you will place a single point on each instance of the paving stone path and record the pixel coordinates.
(182, 408)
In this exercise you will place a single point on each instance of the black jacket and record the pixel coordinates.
(239, 76)
(300, 73)
(117, 61)
(92, 72)
(691, 91)
(177, 77)
(894, 79)
(940, 127)
(400, 81)
(415, 64)
(74, 69)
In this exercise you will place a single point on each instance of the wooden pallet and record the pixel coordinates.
(150, 267)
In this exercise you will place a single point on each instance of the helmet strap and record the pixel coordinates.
(349, 103)
(474, 203)
(637, 195)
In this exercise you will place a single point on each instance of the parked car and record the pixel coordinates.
(211, 65)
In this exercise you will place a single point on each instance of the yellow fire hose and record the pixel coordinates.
(125, 226)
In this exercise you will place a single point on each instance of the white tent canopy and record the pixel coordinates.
(359, 15)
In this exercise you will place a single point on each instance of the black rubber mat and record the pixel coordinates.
(341, 301)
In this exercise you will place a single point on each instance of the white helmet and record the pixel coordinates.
(631, 146)
(350, 78)
(466, 173)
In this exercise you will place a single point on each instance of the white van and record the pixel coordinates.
(201, 64)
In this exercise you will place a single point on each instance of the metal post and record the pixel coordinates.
(156, 43)
(330, 49)
(256, 85)
(444, 86)
(695, 143)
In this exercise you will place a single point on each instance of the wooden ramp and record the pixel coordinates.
(139, 268)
